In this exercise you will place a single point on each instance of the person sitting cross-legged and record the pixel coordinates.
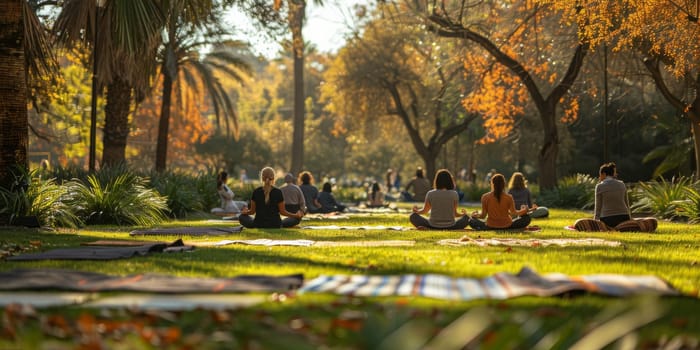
(442, 203)
(497, 207)
(267, 203)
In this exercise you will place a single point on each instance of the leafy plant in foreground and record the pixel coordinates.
(661, 197)
(182, 193)
(576, 191)
(32, 195)
(122, 200)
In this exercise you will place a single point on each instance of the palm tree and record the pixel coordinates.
(296, 14)
(24, 56)
(13, 110)
(124, 36)
(181, 64)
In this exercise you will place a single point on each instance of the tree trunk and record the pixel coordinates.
(550, 149)
(116, 128)
(297, 12)
(13, 99)
(164, 123)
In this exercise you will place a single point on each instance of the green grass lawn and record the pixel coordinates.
(317, 320)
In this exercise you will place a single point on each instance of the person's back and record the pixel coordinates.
(310, 195)
(611, 198)
(293, 196)
(327, 200)
(498, 211)
(521, 196)
(268, 214)
(421, 186)
(442, 207)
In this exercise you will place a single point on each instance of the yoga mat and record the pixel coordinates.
(513, 242)
(72, 280)
(104, 253)
(143, 301)
(267, 242)
(180, 302)
(188, 231)
(498, 286)
(365, 227)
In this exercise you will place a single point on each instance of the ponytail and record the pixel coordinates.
(498, 184)
(267, 177)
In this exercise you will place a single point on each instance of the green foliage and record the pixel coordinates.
(575, 191)
(122, 200)
(472, 191)
(349, 194)
(32, 195)
(667, 199)
(182, 193)
(484, 328)
(249, 152)
(690, 207)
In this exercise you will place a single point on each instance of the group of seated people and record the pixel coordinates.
(501, 207)
(268, 202)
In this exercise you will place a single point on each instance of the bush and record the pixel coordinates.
(122, 200)
(576, 191)
(472, 191)
(666, 200)
(31, 195)
(182, 192)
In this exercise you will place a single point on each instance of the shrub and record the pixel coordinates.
(663, 198)
(122, 200)
(690, 207)
(182, 193)
(575, 191)
(31, 195)
(472, 191)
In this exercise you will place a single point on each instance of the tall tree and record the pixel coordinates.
(402, 72)
(185, 36)
(25, 61)
(13, 90)
(511, 33)
(124, 36)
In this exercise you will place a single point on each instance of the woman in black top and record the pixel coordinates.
(267, 203)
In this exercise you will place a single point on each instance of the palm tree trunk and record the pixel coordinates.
(116, 128)
(13, 100)
(297, 12)
(164, 123)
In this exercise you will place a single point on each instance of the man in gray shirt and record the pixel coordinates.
(293, 197)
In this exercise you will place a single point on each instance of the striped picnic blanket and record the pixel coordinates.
(532, 242)
(498, 286)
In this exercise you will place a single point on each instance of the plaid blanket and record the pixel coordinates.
(498, 286)
(532, 242)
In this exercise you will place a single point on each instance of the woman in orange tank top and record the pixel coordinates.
(497, 207)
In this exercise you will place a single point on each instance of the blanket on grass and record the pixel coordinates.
(498, 286)
(188, 231)
(143, 301)
(309, 243)
(328, 216)
(365, 227)
(532, 242)
(267, 242)
(104, 252)
(71, 280)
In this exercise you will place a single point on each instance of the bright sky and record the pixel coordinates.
(326, 27)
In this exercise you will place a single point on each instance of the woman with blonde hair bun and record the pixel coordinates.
(267, 203)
